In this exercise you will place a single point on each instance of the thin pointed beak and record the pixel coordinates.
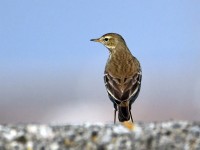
(95, 40)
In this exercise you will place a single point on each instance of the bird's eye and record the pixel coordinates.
(106, 39)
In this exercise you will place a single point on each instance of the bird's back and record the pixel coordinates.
(121, 74)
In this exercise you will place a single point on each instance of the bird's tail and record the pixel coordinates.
(123, 113)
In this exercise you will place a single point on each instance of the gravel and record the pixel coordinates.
(178, 135)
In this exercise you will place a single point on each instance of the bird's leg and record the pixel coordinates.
(115, 107)
(131, 116)
(115, 116)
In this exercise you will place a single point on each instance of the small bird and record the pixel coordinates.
(122, 75)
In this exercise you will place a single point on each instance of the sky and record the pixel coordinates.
(50, 72)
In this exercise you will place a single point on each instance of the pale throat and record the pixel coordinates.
(111, 47)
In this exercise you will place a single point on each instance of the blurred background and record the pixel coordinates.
(50, 72)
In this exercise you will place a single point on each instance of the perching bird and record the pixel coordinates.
(122, 75)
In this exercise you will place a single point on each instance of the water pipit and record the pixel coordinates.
(122, 75)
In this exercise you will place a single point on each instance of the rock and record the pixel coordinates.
(145, 136)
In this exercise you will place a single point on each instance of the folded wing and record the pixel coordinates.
(123, 89)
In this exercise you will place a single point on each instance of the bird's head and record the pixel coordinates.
(111, 40)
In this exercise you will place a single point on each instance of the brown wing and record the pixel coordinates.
(122, 89)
